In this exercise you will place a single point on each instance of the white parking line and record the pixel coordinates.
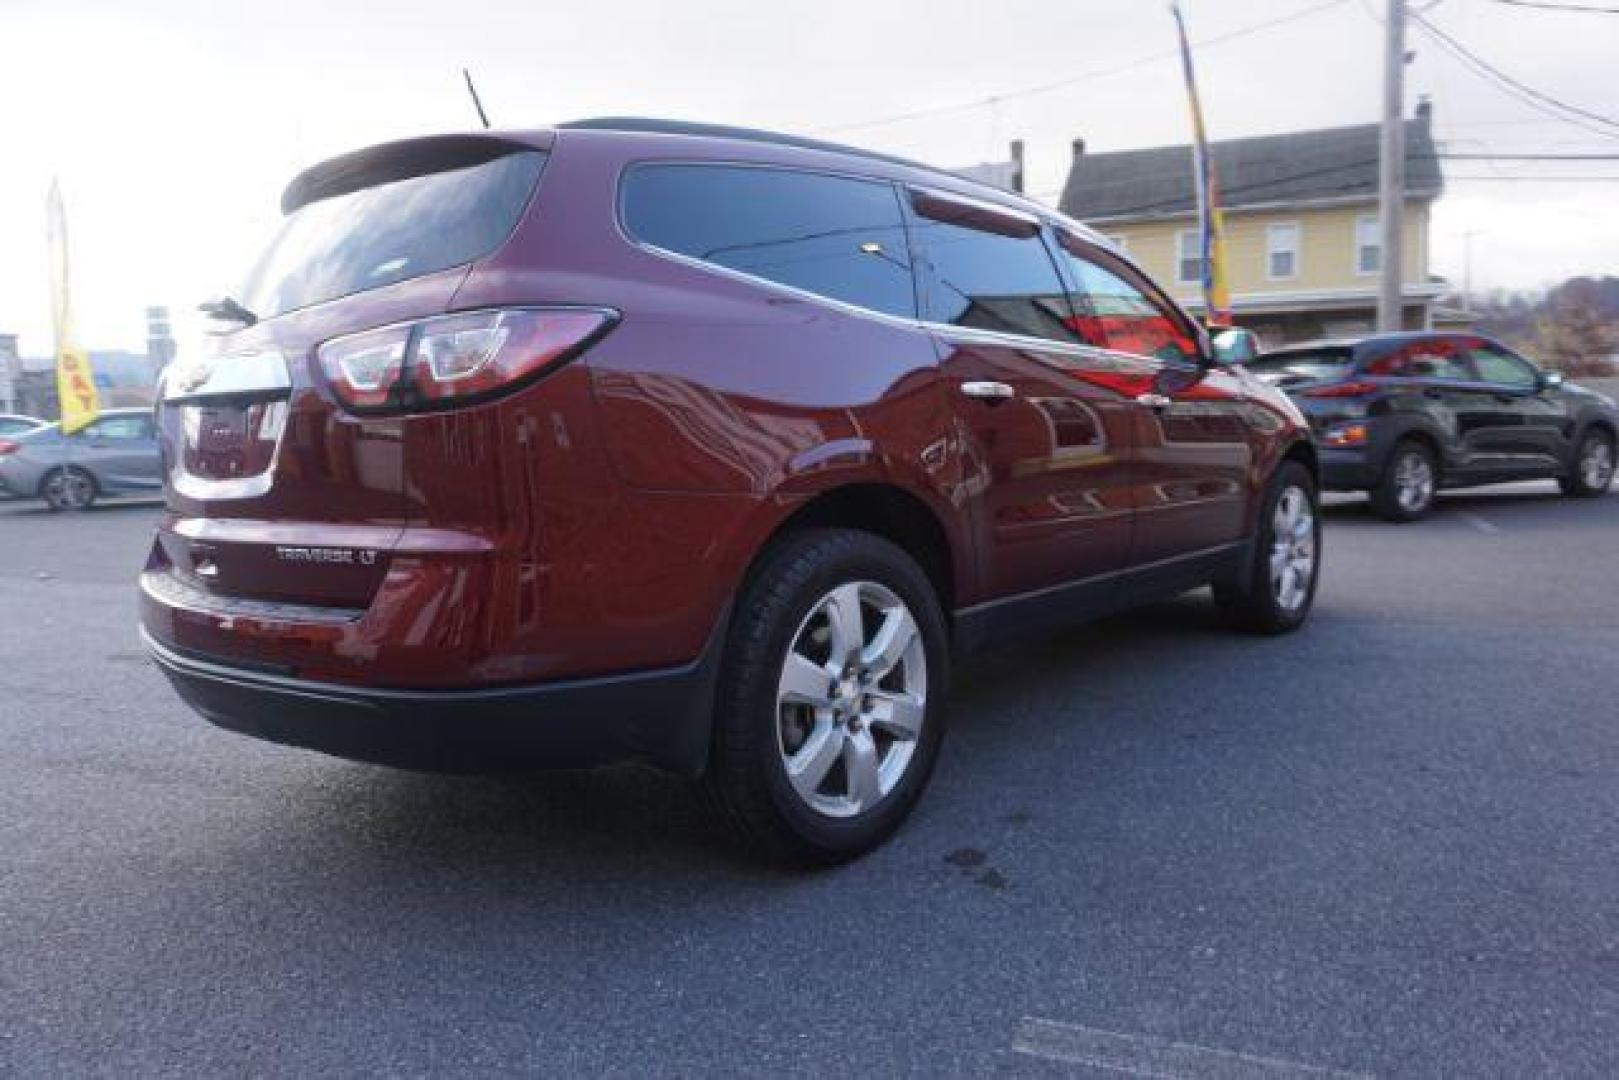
(1146, 1055)
(1479, 523)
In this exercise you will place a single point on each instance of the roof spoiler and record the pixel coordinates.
(387, 162)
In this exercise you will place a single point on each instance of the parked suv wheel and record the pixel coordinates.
(830, 700)
(68, 488)
(1280, 589)
(1409, 483)
(1593, 466)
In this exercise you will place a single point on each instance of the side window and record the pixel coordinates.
(1113, 313)
(990, 280)
(120, 428)
(1496, 365)
(833, 236)
(1436, 358)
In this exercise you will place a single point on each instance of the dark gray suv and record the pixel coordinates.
(1403, 415)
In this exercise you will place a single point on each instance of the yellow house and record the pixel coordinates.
(1302, 235)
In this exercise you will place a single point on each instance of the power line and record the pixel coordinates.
(1546, 6)
(1536, 99)
(1045, 88)
(1483, 178)
(1274, 181)
(1508, 156)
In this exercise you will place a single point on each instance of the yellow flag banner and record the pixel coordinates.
(75, 382)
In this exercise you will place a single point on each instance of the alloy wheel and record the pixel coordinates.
(1293, 549)
(68, 489)
(1596, 464)
(851, 699)
(1413, 482)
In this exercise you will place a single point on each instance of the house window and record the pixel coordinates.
(1368, 245)
(1282, 251)
(1189, 256)
(1120, 241)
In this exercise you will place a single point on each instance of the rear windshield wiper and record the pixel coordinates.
(226, 309)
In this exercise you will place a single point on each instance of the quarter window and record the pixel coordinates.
(992, 281)
(1114, 313)
(1496, 365)
(833, 236)
(1282, 251)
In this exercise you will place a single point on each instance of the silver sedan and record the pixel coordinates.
(117, 454)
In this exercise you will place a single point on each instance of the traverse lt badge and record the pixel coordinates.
(342, 556)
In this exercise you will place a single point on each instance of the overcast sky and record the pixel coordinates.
(174, 125)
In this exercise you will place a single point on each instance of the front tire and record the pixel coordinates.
(1409, 485)
(1593, 466)
(68, 488)
(830, 704)
(1280, 587)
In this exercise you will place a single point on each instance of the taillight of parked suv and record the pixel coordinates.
(456, 359)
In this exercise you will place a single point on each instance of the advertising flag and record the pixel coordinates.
(1211, 224)
(75, 384)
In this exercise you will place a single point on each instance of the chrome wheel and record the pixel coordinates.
(1292, 553)
(69, 489)
(1413, 482)
(852, 699)
(1596, 464)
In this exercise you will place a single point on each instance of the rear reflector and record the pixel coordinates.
(456, 359)
(1348, 389)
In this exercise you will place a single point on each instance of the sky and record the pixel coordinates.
(174, 125)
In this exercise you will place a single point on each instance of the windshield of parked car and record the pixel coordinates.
(390, 232)
(1317, 363)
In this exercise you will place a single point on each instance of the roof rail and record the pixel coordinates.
(656, 126)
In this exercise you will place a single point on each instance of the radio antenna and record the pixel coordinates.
(476, 102)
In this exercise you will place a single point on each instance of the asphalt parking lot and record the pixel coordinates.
(1386, 845)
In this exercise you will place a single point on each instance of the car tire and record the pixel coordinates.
(1409, 485)
(1279, 588)
(68, 488)
(816, 774)
(1591, 472)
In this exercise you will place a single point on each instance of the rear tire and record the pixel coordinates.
(1592, 471)
(1409, 485)
(829, 712)
(68, 488)
(1280, 588)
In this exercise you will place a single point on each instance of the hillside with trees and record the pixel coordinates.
(1573, 327)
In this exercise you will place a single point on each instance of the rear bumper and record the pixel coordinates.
(659, 717)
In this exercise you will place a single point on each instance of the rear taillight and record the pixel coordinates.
(8, 447)
(456, 359)
(1341, 390)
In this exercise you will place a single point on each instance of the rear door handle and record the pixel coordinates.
(1155, 402)
(988, 391)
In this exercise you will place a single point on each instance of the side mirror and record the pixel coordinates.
(1551, 380)
(1235, 345)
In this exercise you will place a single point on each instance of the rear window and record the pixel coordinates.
(1304, 363)
(391, 232)
(833, 236)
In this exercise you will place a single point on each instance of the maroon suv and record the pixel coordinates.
(697, 446)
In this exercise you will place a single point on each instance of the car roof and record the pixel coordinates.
(414, 156)
(1396, 337)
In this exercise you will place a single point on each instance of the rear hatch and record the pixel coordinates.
(278, 493)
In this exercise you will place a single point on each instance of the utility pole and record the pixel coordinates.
(1391, 171)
